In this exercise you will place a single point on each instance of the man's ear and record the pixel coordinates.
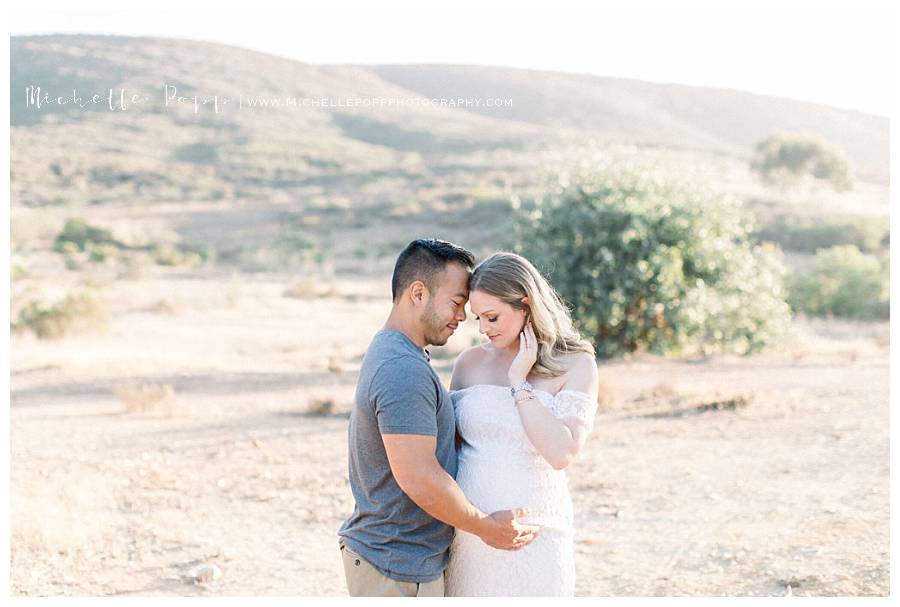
(418, 292)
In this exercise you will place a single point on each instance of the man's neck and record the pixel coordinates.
(407, 327)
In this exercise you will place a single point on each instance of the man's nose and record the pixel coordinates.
(461, 316)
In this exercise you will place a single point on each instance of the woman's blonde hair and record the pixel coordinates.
(510, 277)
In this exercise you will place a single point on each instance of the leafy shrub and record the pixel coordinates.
(82, 235)
(100, 253)
(842, 281)
(869, 234)
(77, 313)
(648, 264)
(166, 254)
(788, 157)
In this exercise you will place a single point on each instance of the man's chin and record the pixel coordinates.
(439, 340)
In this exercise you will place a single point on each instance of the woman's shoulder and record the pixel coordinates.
(468, 359)
(472, 354)
(581, 369)
(571, 360)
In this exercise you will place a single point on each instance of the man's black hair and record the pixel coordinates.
(424, 259)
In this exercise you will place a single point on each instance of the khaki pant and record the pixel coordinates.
(364, 580)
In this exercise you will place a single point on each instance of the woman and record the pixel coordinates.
(524, 403)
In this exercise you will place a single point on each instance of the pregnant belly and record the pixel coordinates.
(495, 483)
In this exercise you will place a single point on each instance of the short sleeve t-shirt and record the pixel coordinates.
(398, 392)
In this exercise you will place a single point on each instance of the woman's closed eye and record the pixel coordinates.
(489, 319)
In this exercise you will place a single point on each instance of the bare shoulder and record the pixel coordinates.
(467, 359)
(470, 355)
(581, 372)
(578, 361)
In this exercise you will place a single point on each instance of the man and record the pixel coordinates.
(401, 438)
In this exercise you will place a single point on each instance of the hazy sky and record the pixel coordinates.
(837, 53)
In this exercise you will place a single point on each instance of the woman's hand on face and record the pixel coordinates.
(527, 356)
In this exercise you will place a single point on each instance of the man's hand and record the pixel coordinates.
(503, 531)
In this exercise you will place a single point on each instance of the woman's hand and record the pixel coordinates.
(525, 359)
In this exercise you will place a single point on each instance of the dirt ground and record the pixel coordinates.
(783, 488)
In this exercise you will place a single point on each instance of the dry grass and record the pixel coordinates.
(164, 306)
(717, 399)
(144, 398)
(607, 395)
(328, 399)
(663, 390)
(336, 362)
(134, 266)
(321, 405)
(77, 313)
(310, 289)
(60, 513)
(666, 399)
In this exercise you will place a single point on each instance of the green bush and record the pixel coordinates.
(83, 236)
(77, 313)
(786, 158)
(648, 264)
(843, 281)
(100, 253)
(166, 254)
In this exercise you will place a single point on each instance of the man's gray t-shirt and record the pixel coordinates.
(398, 393)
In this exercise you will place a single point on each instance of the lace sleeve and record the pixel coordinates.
(571, 403)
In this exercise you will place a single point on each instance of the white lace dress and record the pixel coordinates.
(499, 469)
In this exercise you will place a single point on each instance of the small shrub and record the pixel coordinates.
(842, 281)
(72, 256)
(141, 398)
(82, 235)
(163, 306)
(166, 254)
(100, 253)
(133, 266)
(77, 313)
(786, 158)
(321, 405)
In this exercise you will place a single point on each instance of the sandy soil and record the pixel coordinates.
(245, 467)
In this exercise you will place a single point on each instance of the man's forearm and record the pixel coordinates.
(437, 493)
